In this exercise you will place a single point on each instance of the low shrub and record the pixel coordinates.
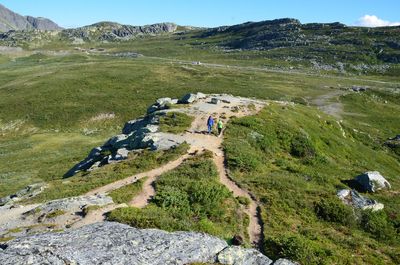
(376, 223)
(333, 210)
(302, 147)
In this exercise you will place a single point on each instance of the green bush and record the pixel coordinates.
(172, 198)
(243, 200)
(297, 248)
(376, 223)
(302, 147)
(243, 157)
(333, 210)
(175, 122)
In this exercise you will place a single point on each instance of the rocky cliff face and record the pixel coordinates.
(110, 31)
(10, 20)
(114, 243)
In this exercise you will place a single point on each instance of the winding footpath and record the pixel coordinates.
(199, 142)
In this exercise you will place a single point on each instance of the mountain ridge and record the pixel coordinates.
(9, 20)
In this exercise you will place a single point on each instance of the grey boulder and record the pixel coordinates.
(372, 181)
(354, 199)
(161, 104)
(237, 255)
(190, 98)
(114, 243)
(285, 262)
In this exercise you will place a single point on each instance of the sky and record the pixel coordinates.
(209, 13)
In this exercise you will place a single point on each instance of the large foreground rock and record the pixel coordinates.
(372, 181)
(114, 243)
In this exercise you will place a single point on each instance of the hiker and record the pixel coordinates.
(220, 125)
(210, 124)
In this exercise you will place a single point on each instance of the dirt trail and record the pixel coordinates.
(254, 229)
(199, 141)
(96, 216)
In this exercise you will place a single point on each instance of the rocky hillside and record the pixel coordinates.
(330, 40)
(10, 20)
(110, 31)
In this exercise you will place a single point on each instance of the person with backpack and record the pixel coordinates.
(220, 126)
(210, 124)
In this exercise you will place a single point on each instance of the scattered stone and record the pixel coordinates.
(394, 144)
(255, 135)
(161, 104)
(190, 98)
(114, 243)
(359, 88)
(215, 101)
(27, 192)
(285, 262)
(372, 181)
(356, 200)
(237, 255)
(237, 240)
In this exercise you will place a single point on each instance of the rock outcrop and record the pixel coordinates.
(190, 98)
(354, 199)
(56, 214)
(136, 134)
(27, 192)
(114, 243)
(10, 20)
(111, 31)
(372, 181)
(394, 144)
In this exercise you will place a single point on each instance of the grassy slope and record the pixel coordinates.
(292, 157)
(46, 101)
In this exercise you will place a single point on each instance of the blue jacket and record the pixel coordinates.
(210, 121)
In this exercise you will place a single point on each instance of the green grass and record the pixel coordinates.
(175, 122)
(295, 157)
(189, 198)
(126, 193)
(49, 104)
(55, 213)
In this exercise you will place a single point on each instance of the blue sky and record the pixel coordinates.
(208, 13)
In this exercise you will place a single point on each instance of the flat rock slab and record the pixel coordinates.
(114, 243)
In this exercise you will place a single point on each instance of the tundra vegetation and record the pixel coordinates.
(292, 157)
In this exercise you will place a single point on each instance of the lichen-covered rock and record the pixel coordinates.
(240, 256)
(372, 181)
(113, 243)
(72, 204)
(285, 262)
(354, 199)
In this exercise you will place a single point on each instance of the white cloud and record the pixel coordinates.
(374, 21)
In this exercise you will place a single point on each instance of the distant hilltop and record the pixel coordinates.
(10, 20)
